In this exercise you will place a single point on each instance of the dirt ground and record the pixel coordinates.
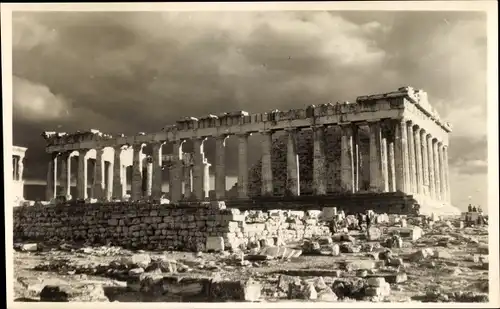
(455, 268)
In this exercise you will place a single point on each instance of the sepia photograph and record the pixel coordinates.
(322, 153)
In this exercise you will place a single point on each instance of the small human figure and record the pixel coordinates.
(360, 221)
(474, 209)
(479, 209)
(334, 227)
(470, 208)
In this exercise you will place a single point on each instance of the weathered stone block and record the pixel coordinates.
(73, 293)
(214, 244)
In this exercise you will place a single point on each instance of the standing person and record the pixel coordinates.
(334, 227)
(474, 209)
(360, 220)
(368, 222)
(470, 208)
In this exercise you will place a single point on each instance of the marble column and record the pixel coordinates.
(137, 180)
(391, 164)
(447, 174)
(220, 167)
(50, 188)
(266, 164)
(418, 160)
(243, 165)
(401, 155)
(425, 163)
(437, 169)
(442, 172)
(356, 157)
(99, 175)
(109, 184)
(156, 190)
(171, 166)
(81, 181)
(384, 182)
(346, 159)
(176, 173)
(319, 161)
(206, 179)
(430, 158)
(66, 174)
(15, 174)
(119, 181)
(149, 177)
(188, 180)
(198, 168)
(412, 160)
(292, 164)
(377, 175)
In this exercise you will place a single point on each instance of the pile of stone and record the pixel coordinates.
(276, 227)
(315, 289)
(120, 269)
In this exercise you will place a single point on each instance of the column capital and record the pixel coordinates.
(63, 155)
(138, 146)
(197, 138)
(243, 134)
(120, 147)
(374, 123)
(83, 150)
(347, 127)
(408, 121)
(345, 124)
(54, 155)
(292, 130)
(222, 136)
(319, 126)
(266, 132)
(158, 144)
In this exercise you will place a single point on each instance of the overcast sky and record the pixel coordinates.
(137, 72)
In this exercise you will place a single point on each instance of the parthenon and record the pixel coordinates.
(391, 142)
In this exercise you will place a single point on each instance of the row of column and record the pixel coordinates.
(403, 157)
(194, 176)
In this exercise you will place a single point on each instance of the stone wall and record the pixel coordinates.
(130, 225)
(160, 227)
(305, 152)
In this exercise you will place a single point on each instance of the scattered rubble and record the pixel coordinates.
(386, 261)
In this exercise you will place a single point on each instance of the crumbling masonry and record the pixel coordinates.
(392, 142)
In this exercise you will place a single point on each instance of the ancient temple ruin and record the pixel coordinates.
(18, 154)
(379, 146)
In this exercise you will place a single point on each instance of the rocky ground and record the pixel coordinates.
(448, 263)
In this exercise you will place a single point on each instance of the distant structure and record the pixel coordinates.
(383, 145)
(17, 172)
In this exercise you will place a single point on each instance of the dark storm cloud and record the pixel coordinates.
(132, 72)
